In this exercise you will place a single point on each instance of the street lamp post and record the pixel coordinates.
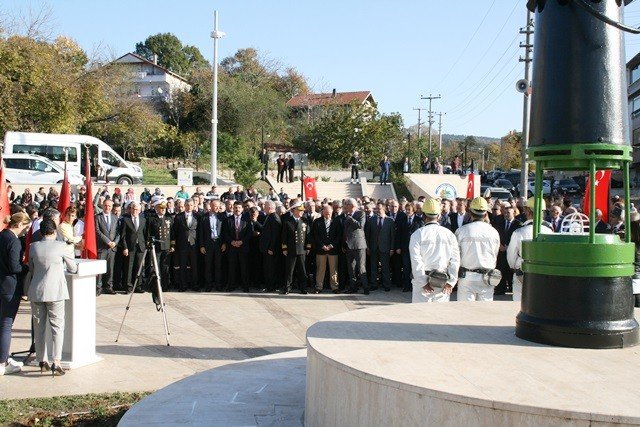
(215, 35)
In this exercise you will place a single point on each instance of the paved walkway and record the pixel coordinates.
(207, 330)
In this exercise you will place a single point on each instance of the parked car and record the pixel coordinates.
(504, 183)
(566, 186)
(499, 193)
(546, 188)
(32, 169)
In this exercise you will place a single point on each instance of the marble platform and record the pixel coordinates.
(460, 364)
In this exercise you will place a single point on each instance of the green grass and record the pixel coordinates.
(82, 410)
(157, 175)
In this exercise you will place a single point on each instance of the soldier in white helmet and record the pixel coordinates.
(479, 246)
(514, 250)
(435, 258)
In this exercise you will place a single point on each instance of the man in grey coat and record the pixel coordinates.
(47, 290)
(355, 246)
(380, 236)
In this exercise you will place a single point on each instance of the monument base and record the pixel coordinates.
(459, 364)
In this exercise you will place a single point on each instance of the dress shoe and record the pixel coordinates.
(406, 290)
(373, 288)
(139, 290)
(317, 291)
(336, 291)
(366, 291)
(285, 291)
(303, 291)
(98, 292)
(351, 291)
(387, 289)
(245, 290)
(109, 291)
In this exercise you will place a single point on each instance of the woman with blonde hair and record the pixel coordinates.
(11, 271)
(67, 232)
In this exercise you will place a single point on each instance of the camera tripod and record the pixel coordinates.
(136, 283)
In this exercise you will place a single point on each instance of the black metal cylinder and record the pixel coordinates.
(577, 311)
(579, 92)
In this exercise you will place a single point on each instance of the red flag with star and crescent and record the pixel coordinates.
(310, 191)
(90, 243)
(470, 183)
(603, 185)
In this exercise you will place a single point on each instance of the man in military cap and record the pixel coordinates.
(295, 247)
(479, 245)
(435, 257)
(159, 235)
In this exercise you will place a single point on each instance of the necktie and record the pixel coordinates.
(379, 224)
(327, 224)
(507, 225)
(135, 222)
(237, 228)
(410, 220)
(108, 219)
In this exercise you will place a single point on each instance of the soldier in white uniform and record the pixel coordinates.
(433, 248)
(514, 250)
(479, 245)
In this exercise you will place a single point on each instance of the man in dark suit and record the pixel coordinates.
(601, 226)
(505, 225)
(107, 239)
(210, 244)
(397, 216)
(296, 244)
(184, 236)
(406, 227)
(380, 236)
(237, 234)
(325, 237)
(355, 246)
(133, 241)
(291, 166)
(461, 217)
(269, 245)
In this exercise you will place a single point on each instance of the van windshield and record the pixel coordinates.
(110, 159)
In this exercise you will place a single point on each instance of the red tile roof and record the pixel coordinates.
(340, 98)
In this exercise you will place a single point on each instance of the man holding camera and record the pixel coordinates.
(435, 258)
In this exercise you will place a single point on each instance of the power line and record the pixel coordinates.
(484, 54)
(468, 43)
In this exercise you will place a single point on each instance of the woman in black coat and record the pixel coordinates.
(11, 274)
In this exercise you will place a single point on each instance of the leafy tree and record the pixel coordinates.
(172, 55)
(510, 150)
(340, 131)
(246, 168)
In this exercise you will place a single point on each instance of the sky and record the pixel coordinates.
(465, 51)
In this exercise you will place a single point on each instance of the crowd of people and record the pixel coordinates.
(241, 240)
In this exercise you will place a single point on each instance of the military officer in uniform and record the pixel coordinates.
(295, 247)
(514, 250)
(479, 246)
(433, 248)
(159, 233)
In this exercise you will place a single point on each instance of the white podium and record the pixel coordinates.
(80, 315)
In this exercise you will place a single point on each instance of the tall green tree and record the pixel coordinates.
(172, 54)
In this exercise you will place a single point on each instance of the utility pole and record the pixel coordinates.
(430, 98)
(420, 110)
(440, 132)
(526, 103)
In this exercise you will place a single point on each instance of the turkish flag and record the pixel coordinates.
(65, 194)
(470, 183)
(603, 185)
(5, 210)
(310, 191)
(90, 245)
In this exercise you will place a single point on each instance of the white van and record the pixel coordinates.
(32, 169)
(52, 146)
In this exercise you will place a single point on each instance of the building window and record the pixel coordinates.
(635, 74)
(636, 137)
(635, 106)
